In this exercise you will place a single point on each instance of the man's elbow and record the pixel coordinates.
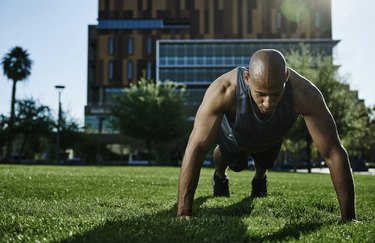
(336, 155)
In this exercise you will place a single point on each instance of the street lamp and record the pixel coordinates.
(59, 89)
(100, 128)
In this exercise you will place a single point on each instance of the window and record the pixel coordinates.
(109, 93)
(110, 46)
(279, 23)
(317, 19)
(110, 70)
(149, 70)
(130, 70)
(130, 45)
(149, 45)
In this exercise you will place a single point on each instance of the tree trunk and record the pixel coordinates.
(10, 124)
(24, 139)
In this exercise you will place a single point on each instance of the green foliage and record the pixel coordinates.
(70, 132)
(16, 66)
(350, 114)
(34, 131)
(152, 113)
(32, 126)
(3, 127)
(138, 204)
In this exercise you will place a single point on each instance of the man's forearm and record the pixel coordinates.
(342, 180)
(189, 177)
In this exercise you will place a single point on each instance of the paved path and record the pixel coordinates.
(371, 171)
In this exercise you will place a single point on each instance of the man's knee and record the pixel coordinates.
(238, 166)
(236, 162)
(239, 162)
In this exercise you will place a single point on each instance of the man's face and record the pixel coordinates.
(266, 91)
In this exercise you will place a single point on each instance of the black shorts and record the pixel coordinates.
(238, 159)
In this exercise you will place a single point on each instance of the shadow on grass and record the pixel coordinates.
(219, 224)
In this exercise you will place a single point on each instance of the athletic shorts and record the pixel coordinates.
(238, 159)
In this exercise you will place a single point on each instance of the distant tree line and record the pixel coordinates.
(150, 116)
(355, 122)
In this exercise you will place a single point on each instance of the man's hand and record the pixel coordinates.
(184, 217)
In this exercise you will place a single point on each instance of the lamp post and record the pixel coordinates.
(100, 128)
(59, 89)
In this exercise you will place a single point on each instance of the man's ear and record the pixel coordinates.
(246, 77)
(287, 74)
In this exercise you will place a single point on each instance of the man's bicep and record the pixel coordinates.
(206, 125)
(322, 129)
(208, 118)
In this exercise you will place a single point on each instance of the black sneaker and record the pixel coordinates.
(221, 186)
(259, 187)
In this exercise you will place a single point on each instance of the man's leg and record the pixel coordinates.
(220, 180)
(221, 165)
(262, 162)
(260, 172)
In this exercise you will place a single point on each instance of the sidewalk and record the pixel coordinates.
(370, 171)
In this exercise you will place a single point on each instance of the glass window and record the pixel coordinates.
(109, 93)
(110, 70)
(190, 61)
(130, 45)
(219, 60)
(149, 45)
(317, 19)
(210, 60)
(180, 61)
(171, 61)
(149, 70)
(110, 46)
(238, 61)
(130, 70)
(210, 50)
(279, 21)
(162, 61)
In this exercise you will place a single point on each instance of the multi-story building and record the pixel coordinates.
(191, 42)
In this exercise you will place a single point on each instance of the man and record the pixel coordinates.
(249, 112)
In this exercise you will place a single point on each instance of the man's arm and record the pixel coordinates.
(323, 131)
(202, 138)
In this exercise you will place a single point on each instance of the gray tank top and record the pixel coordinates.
(252, 134)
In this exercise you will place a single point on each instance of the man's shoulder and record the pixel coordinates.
(227, 81)
(305, 93)
(222, 91)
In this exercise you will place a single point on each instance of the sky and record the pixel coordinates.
(55, 35)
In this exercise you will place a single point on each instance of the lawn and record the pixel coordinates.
(138, 204)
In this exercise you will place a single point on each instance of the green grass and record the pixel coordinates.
(138, 204)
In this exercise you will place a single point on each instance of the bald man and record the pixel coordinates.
(248, 112)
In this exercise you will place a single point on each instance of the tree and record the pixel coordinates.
(351, 115)
(32, 121)
(70, 131)
(150, 112)
(17, 67)
(3, 129)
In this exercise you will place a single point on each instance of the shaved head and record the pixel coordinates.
(267, 79)
(267, 65)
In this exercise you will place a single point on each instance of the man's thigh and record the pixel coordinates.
(266, 159)
(237, 159)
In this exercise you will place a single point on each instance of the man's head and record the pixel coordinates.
(267, 77)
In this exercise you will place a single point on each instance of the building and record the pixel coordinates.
(191, 42)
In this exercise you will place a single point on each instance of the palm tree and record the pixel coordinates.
(17, 67)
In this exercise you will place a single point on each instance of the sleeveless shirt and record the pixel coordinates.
(248, 132)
